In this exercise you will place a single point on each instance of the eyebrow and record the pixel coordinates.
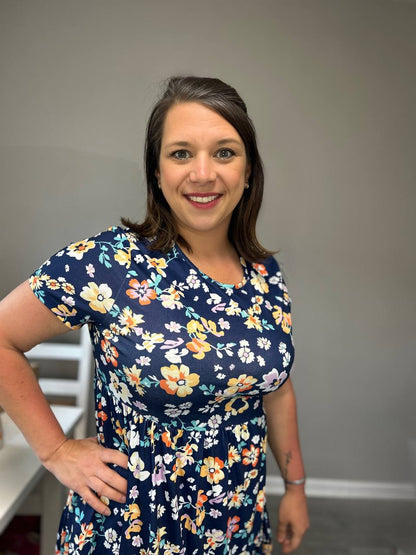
(221, 142)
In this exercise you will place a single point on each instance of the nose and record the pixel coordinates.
(202, 169)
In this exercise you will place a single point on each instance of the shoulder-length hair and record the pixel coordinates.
(159, 224)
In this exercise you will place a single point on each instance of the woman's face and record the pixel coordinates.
(202, 169)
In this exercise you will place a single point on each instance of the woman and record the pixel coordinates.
(190, 324)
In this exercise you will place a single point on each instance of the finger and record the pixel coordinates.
(113, 456)
(93, 501)
(113, 479)
(281, 531)
(103, 489)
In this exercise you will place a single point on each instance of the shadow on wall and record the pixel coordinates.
(52, 196)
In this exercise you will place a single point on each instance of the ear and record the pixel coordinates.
(157, 174)
(248, 172)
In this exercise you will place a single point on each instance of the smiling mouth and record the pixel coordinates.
(203, 199)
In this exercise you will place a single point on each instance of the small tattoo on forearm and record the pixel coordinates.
(288, 458)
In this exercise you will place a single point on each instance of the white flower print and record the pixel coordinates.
(110, 535)
(68, 300)
(136, 465)
(224, 324)
(192, 280)
(175, 356)
(119, 389)
(282, 348)
(286, 360)
(174, 327)
(264, 343)
(260, 360)
(90, 270)
(143, 361)
(244, 353)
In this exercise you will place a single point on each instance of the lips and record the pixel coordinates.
(203, 199)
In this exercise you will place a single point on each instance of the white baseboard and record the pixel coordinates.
(348, 489)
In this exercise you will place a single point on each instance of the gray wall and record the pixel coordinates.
(331, 87)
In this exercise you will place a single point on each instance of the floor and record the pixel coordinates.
(356, 527)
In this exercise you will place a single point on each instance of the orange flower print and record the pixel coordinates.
(232, 526)
(198, 347)
(287, 322)
(53, 284)
(261, 269)
(233, 455)
(212, 470)
(240, 384)
(251, 456)
(260, 501)
(141, 291)
(159, 264)
(109, 351)
(277, 314)
(86, 532)
(178, 381)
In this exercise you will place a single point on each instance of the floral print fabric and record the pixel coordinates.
(181, 365)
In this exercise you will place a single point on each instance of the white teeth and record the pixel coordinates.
(203, 200)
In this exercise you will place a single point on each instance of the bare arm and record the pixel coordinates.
(283, 437)
(79, 464)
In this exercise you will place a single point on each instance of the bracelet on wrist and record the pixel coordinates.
(299, 482)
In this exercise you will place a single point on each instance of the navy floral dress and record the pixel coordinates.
(181, 365)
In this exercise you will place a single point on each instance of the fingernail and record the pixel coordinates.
(107, 512)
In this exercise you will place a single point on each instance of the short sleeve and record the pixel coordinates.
(81, 282)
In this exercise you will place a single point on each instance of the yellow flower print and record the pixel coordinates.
(195, 327)
(159, 534)
(77, 250)
(198, 347)
(123, 258)
(240, 384)
(253, 322)
(233, 455)
(211, 327)
(53, 284)
(171, 298)
(68, 288)
(132, 515)
(178, 381)
(133, 375)
(259, 283)
(212, 470)
(150, 340)
(99, 296)
(277, 314)
(286, 322)
(129, 320)
(36, 282)
(241, 432)
(64, 312)
(233, 309)
(159, 264)
(237, 405)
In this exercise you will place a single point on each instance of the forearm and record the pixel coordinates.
(282, 430)
(22, 398)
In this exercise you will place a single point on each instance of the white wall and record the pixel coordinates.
(331, 87)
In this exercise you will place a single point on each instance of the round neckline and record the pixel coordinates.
(236, 286)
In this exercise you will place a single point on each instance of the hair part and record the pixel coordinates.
(159, 224)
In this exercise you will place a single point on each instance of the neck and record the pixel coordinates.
(206, 248)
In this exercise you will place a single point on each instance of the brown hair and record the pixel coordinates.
(223, 99)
